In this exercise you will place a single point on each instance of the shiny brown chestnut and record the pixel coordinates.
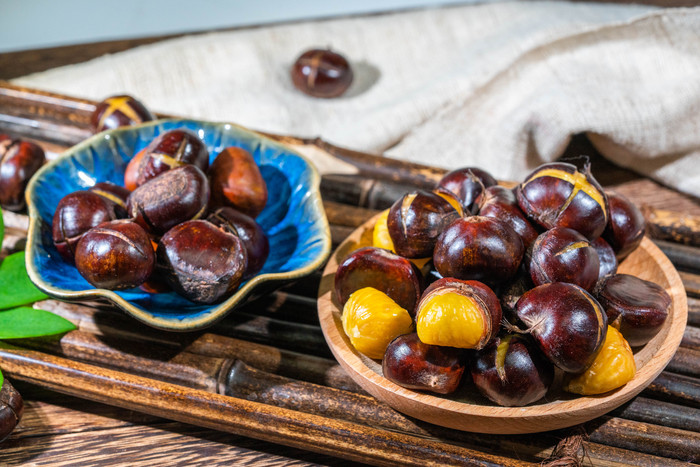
(118, 111)
(637, 307)
(564, 255)
(175, 196)
(558, 195)
(626, 225)
(511, 371)
(202, 262)
(321, 73)
(416, 220)
(479, 248)
(467, 183)
(131, 174)
(253, 237)
(606, 258)
(499, 203)
(236, 182)
(378, 268)
(19, 160)
(75, 214)
(115, 255)
(414, 365)
(11, 409)
(172, 149)
(568, 324)
(114, 194)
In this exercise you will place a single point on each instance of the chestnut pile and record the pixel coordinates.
(176, 223)
(521, 284)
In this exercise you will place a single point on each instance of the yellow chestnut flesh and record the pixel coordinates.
(452, 319)
(382, 239)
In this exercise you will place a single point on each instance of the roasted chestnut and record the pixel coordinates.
(11, 409)
(236, 182)
(114, 194)
(412, 364)
(499, 203)
(201, 262)
(606, 257)
(115, 255)
(467, 183)
(626, 225)
(254, 239)
(117, 111)
(558, 195)
(19, 160)
(321, 73)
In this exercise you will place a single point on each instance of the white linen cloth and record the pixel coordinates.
(501, 86)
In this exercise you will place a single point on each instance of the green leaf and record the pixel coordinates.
(15, 287)
(1, 380)
(22, 322)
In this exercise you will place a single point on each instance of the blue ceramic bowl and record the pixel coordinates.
(293, 219)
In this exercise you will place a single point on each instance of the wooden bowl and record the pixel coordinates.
(470, 411)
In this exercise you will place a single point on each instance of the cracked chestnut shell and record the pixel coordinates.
(11, 409)
(467, 183)
(202, 262)
(115, 255)
(19, 160)
(118, 111)
(236, 182)
(114, 194)
(626, 225)
(499, 203)
(254, 239)
(559, 195)
(175, 196)
(321, 73)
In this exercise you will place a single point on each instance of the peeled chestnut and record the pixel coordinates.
(254, 239)
(467, 183)
(202, 262)
(113, 193)
(19, 160)
(175, 196)
(118, 111)
(511, 371)
(115, 255)
(606, 257)
(626, 225)
(564, 255)
(236, 181)
(412, 364)
(568, 324)
(321, 73)
(11, 409)
(558, 195)
(75, 214)
(637, 307)
(499, 203)
(478, 248)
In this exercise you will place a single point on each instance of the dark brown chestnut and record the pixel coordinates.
(175, 196)
(202, 262)
(478, 248)
(467, 183)
(131, 174)
(626, 225)
(564, 255)
(75, 214)
(378, 268)
(236, 182)
(499, 203)
(321, 73)
(414, 365)
(416, 220)
(558, 195)
(511, 371)
(118, 111)
(11, 409)
(606, 258)
(114, 194)
(568, 324)
(637, 307)
(19, 160)
(254, 239)
(169, 150)
(115, 255)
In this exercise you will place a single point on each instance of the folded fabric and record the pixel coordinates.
(502, 86)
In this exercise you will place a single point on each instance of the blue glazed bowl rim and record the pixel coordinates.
(218, 311)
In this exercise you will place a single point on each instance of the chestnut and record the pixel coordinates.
(118, 111)
(236, 182)
(511, 371)
(499, 206)
(112, 193)
(412, 364)
(11, 409)
(19, 160)
(558, 195)
(479, 248)
(75, 214)
(169, 150)
(606, 258)
(254, 239)
(385, 271)
(626, 225)
(416, 220)
(175, 196)
(568, 324)
(467, 183)
(637, 307)
(564, 255)
(456, 313)
(115, 255)
(321, 73)
(201, 262)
